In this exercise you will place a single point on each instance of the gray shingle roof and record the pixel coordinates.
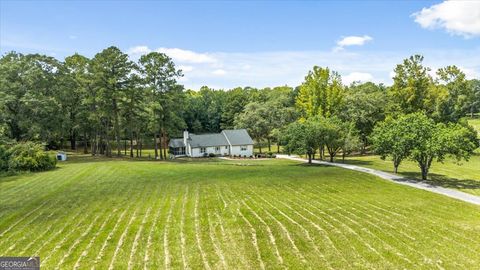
(238, 136)
(175, 143)
(204, 140)
(234, 136)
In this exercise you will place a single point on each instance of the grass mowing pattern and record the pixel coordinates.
(464, 176)
(100, 214)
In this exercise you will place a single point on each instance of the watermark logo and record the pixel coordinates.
(19, 263)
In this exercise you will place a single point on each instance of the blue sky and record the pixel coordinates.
(228, 44)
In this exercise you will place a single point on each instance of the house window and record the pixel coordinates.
(243, 148)
(203, 150)
(226, 147)
(217, 148)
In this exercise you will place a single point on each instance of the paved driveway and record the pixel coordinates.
(398, 179)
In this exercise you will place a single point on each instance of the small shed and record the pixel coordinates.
(61, 156)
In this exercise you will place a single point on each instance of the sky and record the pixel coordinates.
(226, 44)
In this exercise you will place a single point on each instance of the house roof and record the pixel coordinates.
(175, 143)
(238, 136)
(204, 140)
(226, 137)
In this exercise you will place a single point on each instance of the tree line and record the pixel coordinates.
(419, 117)
(110, 103)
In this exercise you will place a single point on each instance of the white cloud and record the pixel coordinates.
(138, 50)
(391, 74)
(354, 41)
(456, 17)
(180, 56)
(470, 73)
(72, 37)
(187, 56)
(267, 69)
(219, 72)
(185, 68)
(357, 77)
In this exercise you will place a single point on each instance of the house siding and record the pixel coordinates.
(236, 150)
(211, 149)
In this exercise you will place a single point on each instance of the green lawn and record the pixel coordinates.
(238, 214)
(475, 122)
(464, 176)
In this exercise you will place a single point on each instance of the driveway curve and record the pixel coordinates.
(398, 179)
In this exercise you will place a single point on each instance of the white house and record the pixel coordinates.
(226, 143)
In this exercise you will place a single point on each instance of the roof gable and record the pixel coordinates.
(175, 143)
(238, 136)
(204, 140)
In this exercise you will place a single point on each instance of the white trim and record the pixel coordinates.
(229, 143)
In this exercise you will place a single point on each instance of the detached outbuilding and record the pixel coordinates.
(226, 143)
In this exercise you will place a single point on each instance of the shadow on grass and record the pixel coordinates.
(305, 164)
(91, 159)
(358, 162)
(444, 181)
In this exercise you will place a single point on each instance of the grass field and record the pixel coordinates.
(464, 176)
(119, 214)
(475, 123)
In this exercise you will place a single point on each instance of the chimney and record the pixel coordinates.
(185, 137)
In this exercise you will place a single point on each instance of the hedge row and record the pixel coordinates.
(25, 156)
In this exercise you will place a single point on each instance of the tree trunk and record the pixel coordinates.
(269, 145)
(116, 126)
(331, 153)
(260, 147)
(141, 147)
(364, 147)
(165, 145)
(309, 158)
(424, 172)
(395, 169)
(136, 145)
(125, 148)
(320, 150)
(85, 150)
(161, 146)
(95, 146)
(156, 145)
(131, 144)
(73, 145)
(108, 148)
(278, 148)
(343, 156)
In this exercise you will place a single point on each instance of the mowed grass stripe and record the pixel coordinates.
(416, 209)
(331, 248)
(234, 234)
(388, 232)
(307, 234)
(404, 238)
(244, 215)
(78, 237)
(37, 190)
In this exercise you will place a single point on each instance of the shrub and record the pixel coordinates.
(211, 155)
(29, 156)
(4, 157)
